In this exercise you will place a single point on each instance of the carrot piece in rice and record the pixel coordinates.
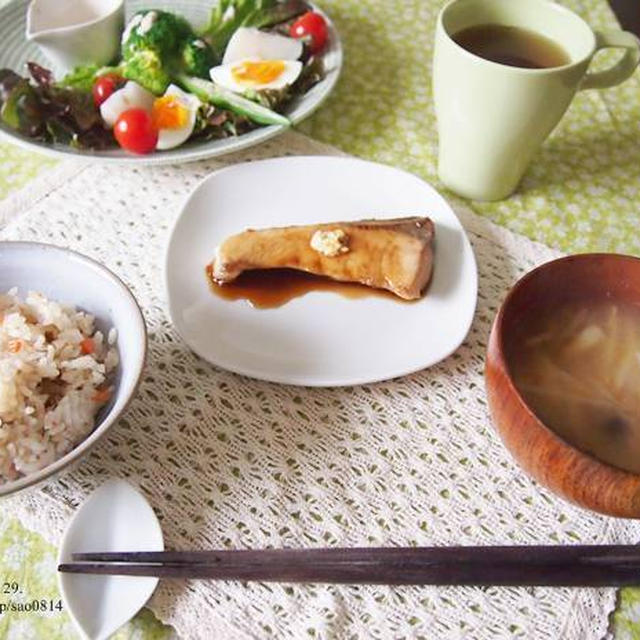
(87, 346)
(14, 346)
(101, 395)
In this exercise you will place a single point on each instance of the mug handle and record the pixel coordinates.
(620, 71)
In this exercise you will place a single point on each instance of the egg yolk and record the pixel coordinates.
(259, 72)
(169, 113)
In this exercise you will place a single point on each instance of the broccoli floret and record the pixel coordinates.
(197, 58)
(155, 30)
(157, 44)
(147, 69)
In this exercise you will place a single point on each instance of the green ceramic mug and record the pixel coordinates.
(492, 117)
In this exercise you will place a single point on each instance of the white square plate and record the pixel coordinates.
(322, 338)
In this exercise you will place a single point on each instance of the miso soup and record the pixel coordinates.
(579, 371)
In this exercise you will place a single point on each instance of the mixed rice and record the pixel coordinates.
(54, 378)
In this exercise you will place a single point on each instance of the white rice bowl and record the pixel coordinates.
(56, 372)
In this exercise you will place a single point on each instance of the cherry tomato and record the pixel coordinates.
(135, 132)
(104, 86)
(312, 27)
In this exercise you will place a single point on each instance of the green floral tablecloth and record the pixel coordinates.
(581, 193)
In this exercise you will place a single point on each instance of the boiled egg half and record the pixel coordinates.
(256, 74)
(131, 96)
(249, 43)
(174, 116)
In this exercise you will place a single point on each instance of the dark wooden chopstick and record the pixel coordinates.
(594, 565)
(483, 554)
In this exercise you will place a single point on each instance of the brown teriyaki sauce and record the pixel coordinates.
(271, 288)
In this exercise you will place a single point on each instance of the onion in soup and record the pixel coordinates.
(579, 371)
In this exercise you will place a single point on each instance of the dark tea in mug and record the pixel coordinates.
(513, 46)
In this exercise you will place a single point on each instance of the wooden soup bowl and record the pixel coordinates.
(543, 454)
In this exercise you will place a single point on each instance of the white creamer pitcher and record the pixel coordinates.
(76, 32)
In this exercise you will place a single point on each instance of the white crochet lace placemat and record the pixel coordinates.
(231, 462)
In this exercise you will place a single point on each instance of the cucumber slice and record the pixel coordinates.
(210, 92)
